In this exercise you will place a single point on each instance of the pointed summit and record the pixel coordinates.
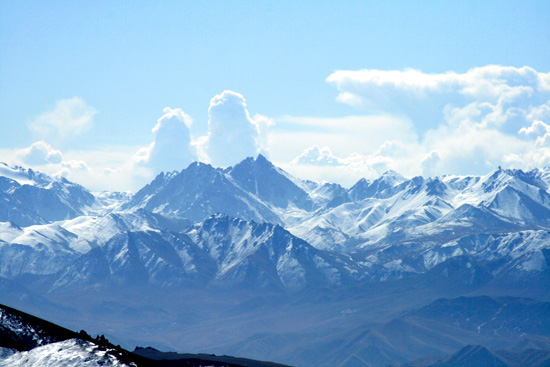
(263, 160)
(271, 184)
(260, 162)
(199, 191)
(392, 178)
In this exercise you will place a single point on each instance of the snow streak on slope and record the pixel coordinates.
(14, 324)
(68, 353)
(428, 208)
(221, 251)
(391, 227)
(250, 248)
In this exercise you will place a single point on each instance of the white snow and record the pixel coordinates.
(68, 353)
(17, 174)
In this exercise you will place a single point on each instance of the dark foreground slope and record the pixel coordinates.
(26, 340)
(166, 359)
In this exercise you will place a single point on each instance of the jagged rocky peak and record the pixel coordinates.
(199, 191)
(271, 184)
(500, 177)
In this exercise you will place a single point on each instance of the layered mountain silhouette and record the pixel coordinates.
(252, 261)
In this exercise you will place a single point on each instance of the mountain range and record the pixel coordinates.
(252, 261)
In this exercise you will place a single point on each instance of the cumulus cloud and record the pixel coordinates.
(321, 164)
(423, 96)
(42, 157)
(536, 128)
(70, 169)
(172, 148)
(232, 135)
(40, 153)
(430, 164)
(264, 125)
(408, 121)
(467, 123)
(343, 136)
(69, 118)
(317, 156)
(489, 83)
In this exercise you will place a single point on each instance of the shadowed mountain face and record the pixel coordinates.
(251, 261)
(270, 184)
(198, 192)
(219, 252)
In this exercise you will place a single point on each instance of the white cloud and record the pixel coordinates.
(75, 165)
(539, 112)
(69, 118)
(467, 123)
(536, 128)
(488, 83)
(39, 153)
(321, 164)
(317, 156)
(172, 148)
(543, 141)
(232, 135)
(343, 136)
(70, 169)
(111, 168)
(508, 91)
(413, 123)
(264, 125)
(430, 164)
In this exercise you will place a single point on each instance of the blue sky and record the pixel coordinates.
(84, 83)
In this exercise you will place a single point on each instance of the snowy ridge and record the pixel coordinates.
(14, 324)
(68, 353)
(387, 210)
(221, 251)
(201, 253)
(29, 341)
(24, 176)
(502, 216)
(28, 197)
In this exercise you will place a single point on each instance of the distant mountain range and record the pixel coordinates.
(249, 258)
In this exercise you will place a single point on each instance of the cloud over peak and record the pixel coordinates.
(40, 153)
(172, 147)
(467, 123)
(232, 135)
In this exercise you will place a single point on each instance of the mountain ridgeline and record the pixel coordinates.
(29, 341)
(252, 261)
